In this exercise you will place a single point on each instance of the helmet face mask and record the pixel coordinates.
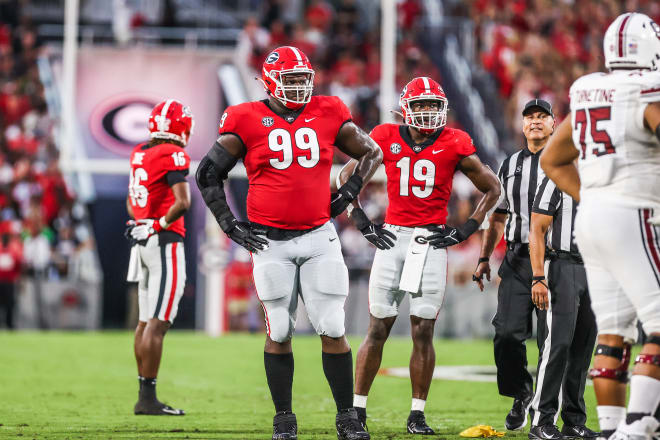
(632, 41)
(425, 118)
(171, 120)
(287, 76)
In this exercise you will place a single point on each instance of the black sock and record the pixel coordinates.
(147, 388)
(338, 369)
(633, 417)
(279, 373)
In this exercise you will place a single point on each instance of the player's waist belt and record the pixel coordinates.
(410, 228)
(278, 234)
(565, 255)
(519, 249)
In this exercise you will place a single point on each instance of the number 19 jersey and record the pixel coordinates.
(619, 157)
(420, 177)
(288, 159)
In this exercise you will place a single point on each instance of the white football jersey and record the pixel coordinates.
(619, 157)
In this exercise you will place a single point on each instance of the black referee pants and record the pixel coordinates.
(568, 332)
(513, 325)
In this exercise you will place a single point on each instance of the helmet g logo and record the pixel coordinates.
(162, 122)
(420, 239)
(272, 57)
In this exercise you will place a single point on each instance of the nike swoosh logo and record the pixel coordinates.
(415, 253)
(310, 119)
(439, 151)
(333, 239)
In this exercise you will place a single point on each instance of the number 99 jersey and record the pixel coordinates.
(149, 191)
(288, 159)
(619, 158)
(420, 176)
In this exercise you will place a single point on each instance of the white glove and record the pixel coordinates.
(655, 220)
(145, 228)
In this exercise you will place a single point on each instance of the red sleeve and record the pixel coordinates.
(378, 134)
(174, 158)
(230, 121)
(465, 146)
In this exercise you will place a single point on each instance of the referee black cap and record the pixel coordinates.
(539, 104)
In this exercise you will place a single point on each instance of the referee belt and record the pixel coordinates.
(564, 255)
(279, 234)
(518, 249)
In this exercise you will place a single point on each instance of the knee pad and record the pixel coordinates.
(619, 374)
(424, 311)
(279, 321)
(331, 323)
(653, 359)
(381, 311)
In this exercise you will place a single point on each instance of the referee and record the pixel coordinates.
(520, 175)
(566, 324)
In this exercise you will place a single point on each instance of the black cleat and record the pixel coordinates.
(417, 424)
(285, 426)
(517, 417)
(155, 408)
(545, 432)
(362, 416)
(349, 426)
(578, 431)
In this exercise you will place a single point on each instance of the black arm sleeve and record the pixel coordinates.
(174, 177)
(212, 171)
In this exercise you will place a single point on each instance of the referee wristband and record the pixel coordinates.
(539, 278)
(483, 260)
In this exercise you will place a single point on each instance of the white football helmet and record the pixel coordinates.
(632, 41)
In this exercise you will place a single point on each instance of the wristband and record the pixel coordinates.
(163, 223)
(483, 260)
(538, 278)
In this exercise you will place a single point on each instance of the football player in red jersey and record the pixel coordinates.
(286, 143)
(420, 159)
(158, 196)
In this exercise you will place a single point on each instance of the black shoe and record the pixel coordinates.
(417, 424)
(545, 432)
(285, 426)
(362, 416)
(349, 426)
(578, 431)
(517, 417)
(155, 408)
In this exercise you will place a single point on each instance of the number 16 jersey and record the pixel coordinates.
(288, 159)
(619, 157)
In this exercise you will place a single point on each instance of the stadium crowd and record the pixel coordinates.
(517, 40)
(42, 228)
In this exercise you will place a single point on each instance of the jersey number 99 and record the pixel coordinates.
(279, 140)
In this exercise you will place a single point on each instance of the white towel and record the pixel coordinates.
(134, 266)
(411, 276)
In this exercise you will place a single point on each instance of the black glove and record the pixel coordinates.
(242, 234)
(127, 233)
(345, 195)
(449, 236)
(376, 234)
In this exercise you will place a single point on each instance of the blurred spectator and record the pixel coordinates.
(11, 256)
(239, 289)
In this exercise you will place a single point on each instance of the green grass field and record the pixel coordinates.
(83, 386)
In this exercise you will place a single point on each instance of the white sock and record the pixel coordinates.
(418, 405)
(644, 394)
(609, 416)
(359, 401)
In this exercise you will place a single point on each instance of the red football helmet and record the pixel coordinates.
(171, 120)
(423, 88)
(287, 60)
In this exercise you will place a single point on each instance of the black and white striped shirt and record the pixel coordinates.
(562, 208)
(520, 175)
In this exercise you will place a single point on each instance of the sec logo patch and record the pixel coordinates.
(395, 148)
(267, 121)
